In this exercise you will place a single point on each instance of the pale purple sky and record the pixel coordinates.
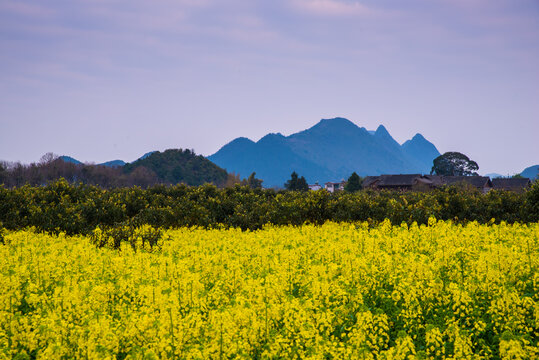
(109, 79)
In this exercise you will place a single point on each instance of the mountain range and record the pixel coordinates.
(112, 163)
(329, 151)
(531, 172)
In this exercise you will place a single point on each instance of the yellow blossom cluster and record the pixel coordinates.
(336, 291)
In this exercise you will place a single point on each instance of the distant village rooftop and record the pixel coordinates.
(422, 182)
(511, 184)
(419, 182)
(415, 181)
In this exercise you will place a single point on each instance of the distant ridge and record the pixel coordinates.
(113, 163)
(495, 175)
(330, 150)
(146, 155)
(69, 159)
(531, 172)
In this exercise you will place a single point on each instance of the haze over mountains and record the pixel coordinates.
(531, 172)
(112, 163)
(329, 151)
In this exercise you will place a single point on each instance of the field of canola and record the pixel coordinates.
(338, 291)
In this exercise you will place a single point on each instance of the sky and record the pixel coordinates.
(108, 79)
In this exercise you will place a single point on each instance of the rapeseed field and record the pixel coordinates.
(336, 291)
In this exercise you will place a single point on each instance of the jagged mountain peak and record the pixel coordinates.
(241, 141)
(415, 140)
(336, 120)
(418, 137)
(338, 123)
(420, 149)
(238, 143)
(381, 130)
(387, 140)
(382, 133)
(331, 149)
(271, 137)
(335, 127)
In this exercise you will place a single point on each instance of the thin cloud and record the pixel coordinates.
(331, 7)
(26, 9)
(442, 59)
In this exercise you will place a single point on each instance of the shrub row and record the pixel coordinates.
(76, 209)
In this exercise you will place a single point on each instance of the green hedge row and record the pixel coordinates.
(75, 209)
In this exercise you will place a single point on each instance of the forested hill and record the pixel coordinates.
(175, 166)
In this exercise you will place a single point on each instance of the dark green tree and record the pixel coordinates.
(302, 184)
(296, 183)
(292, 183)
(3, 173)
(354, 183)
(253, 182)
(454, 164)
(532, 202)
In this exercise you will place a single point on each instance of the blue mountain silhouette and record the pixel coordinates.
(329, 151)
(531, 172)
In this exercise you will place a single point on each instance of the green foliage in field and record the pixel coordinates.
(79, 209)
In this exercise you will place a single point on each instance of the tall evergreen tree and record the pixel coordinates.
(302, 184)
(296, 183)
(292, 183)
(353, 184)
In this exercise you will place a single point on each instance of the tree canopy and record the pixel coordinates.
(253, 182)
(454, 164)
(296, 183)
(175, 166)
(354, 183)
